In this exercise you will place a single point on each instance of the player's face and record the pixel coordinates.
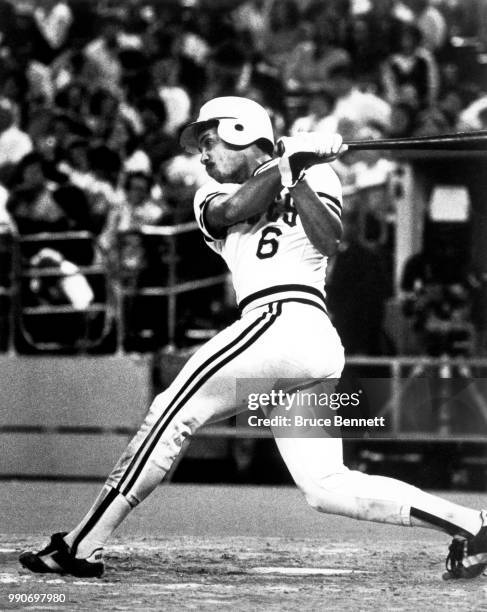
(222, 162)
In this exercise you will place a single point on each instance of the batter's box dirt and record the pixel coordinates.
(237, 573)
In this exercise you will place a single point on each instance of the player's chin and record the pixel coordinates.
(213, 173)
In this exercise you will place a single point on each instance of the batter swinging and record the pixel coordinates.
(275, 223)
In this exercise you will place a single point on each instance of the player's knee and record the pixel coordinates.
(320, 494)
(313, 498)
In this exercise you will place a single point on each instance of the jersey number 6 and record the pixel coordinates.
(268, 246)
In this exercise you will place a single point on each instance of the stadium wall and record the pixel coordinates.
(51, 408)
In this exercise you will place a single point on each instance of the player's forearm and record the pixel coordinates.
(322, 226)
(251, 199)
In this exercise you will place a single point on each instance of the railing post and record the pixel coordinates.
(396, 393)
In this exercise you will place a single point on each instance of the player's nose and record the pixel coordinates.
(204, 158)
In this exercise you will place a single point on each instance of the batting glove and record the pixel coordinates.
(303, 150)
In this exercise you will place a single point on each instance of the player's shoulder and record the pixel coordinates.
(212, 187)
(323, 178)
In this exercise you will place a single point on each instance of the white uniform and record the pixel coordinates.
(284, 333)
(272, 250)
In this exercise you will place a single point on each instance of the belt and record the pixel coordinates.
(303, 294)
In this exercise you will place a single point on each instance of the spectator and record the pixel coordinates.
(122, 238)
(53, 19)
(70, 287)
(98, 180)
(14, 143)
(63, 127)
(284, 32)
(182, 176)
(137, 209)
(356, 106)
(411, 74)
(310, 63)
(473, 117)
(39, 205)
(361, 48)
(431, 23)
(383, 22)
(403, 117)
(156, 141)
(166, 76)
(73, 99)
(365, 168)
(431, 122)
(319, 114)
(252, 18)
(123, 139)
(228, 69)
(102, 54)
(104, 108)
(6, 220)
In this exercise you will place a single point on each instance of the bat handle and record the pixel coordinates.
(303, 159)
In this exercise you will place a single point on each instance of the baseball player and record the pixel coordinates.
(275, 222)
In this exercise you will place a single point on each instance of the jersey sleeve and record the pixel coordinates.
(325, 182)
(202, 199)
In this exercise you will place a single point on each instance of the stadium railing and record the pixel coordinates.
(174, 284)
(118, 286)
(112, 310)
(38, 322)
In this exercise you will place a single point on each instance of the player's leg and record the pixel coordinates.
(203, 391)
(316, 465)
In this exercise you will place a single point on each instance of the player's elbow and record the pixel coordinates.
(220, 215)
(216, 219)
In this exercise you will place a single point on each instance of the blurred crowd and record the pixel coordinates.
(93, 94)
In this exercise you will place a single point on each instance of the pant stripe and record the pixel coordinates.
(206, 370)
(447, 526)
(97, 514)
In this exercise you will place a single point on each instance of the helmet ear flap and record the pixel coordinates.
(236, 132)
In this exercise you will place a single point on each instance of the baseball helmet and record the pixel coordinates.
(240, 122)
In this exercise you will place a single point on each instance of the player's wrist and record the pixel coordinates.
(298, 180)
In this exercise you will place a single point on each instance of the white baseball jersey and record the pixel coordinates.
(270, 252)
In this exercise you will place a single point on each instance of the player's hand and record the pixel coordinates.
(303, 150)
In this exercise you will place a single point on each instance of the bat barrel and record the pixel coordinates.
(463, 141)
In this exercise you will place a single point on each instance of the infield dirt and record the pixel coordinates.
(240, 548)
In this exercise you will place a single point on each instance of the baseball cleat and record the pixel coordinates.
(467, 557)
(57, 558)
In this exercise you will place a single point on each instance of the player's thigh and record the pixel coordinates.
(272, 343)
(311, 460)
(295, 344)
(205, 386)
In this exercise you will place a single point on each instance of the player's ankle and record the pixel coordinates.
(86, 549)
(89, 550)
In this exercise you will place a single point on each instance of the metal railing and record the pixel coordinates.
(115, 290)
(24, 313)
(173, 286)
(401, 373)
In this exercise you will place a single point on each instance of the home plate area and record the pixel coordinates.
(285, 556)
(252, 573)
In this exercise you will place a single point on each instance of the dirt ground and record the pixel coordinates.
(232, 548)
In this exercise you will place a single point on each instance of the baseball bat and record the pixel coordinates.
(461, 141)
